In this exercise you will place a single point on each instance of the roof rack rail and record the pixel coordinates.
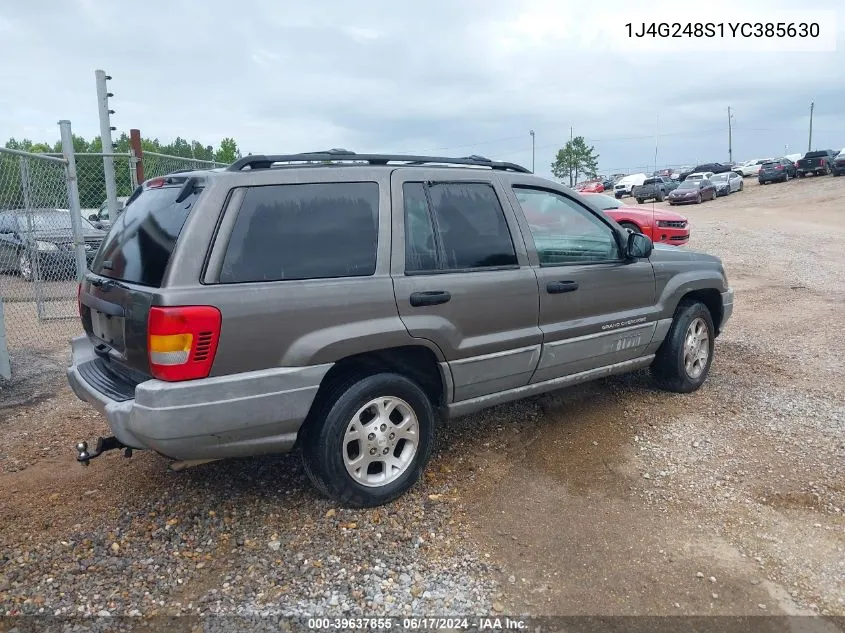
(260, 161)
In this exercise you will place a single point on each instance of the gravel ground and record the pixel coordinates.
(608, 498)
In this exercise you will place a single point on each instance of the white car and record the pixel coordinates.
(727, 183)
(624, 186)
(700, 175)
(750, 167)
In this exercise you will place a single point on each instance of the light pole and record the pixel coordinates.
(531, 132)
(730, 143)
(810, 142)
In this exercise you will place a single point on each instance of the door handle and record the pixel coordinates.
(559, 287)
(430, 298)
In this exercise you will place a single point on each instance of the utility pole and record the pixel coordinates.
(105, 135)
(571, 138)
(730, 144)
(531, 132)
(810, 142)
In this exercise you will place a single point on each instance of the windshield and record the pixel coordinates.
(49, 221)
(689, 184)
(719, 177)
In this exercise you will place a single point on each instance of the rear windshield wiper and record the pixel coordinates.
(188, 189)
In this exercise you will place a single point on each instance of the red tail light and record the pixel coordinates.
(779, 167)
(182, 341)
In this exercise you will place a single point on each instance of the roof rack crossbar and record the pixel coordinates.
(260, 161)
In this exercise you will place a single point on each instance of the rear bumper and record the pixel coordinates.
(240, 415)
(727, 307)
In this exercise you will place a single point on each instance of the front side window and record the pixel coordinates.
(455, 226)
(564, 232)
(308, 231)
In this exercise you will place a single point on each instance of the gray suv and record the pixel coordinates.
(346, 303)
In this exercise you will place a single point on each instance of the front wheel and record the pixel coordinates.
(698, 199)
(631, 226)
(683, 360)
(368, 439)
(660, 196)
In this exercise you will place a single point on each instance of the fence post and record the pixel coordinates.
(138, 151)
(32, 251)
(5, 363)
(105, 136)
(73, 198)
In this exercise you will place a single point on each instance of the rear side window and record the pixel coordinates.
(455, 226)
(142, 238)
(308, 231)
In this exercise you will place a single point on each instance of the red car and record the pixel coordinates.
(593, 186)
(661, 226)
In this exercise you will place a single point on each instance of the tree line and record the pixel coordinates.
(47, 188)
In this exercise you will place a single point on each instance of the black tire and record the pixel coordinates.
(741, 185)
(698, 199)
(640, 201)
(618, 196)
(630, 225)
(324, 431)
(836, 173)
(800, 175)
(669, 368)
(660, 196)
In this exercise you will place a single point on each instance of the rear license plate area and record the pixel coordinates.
(108, 329)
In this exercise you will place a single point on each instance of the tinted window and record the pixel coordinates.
(564, 232)
(689, 184)
(420, 243)
(310, 231)
(605, 202)
(471, 227)
(142, 238)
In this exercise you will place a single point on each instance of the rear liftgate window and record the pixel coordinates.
(141, 241)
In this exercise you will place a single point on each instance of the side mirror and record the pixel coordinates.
(639, 246)
(93, 217)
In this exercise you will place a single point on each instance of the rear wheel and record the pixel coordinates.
(683, 360)
(640, 200)
(660, 196)
(368, 439)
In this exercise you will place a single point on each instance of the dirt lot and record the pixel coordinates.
(610, 498)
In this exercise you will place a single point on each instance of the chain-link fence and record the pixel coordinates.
(156, 165)
(40, 255)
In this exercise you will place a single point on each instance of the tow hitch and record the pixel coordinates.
(103, 444)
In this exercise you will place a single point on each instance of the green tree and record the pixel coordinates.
(574, 159)
(228, 152)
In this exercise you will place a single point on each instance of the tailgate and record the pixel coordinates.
(114, 315)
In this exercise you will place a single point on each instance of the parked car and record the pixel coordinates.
(593, 186)
(624, 185)
(750, 167)
(692, 191)
(818, 163)
(666, 227)
(778, 170)
(716, 168)
(700, 175)
(653, 189)
(38, 243)
(727, 183)
(838, 167)
(344, 308)
(101, 219)
(608, 183)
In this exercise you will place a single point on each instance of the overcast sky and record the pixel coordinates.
(452, 77)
